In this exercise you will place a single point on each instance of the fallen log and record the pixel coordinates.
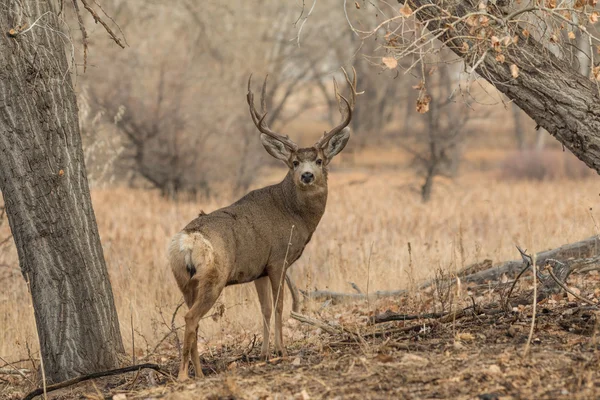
(579, 256)
(577, 251)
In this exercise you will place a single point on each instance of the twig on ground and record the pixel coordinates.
(326, 327)
(507, 299)
(531, 329)
(14, 370)
(95, 375)
(566, 289)
(314, 322)
(392, 316)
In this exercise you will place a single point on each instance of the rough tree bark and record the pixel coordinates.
(548, 89)
(45, 189)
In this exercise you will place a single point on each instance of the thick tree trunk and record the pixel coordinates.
(548, 89)
(45, 189)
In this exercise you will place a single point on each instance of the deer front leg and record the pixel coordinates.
(277, 277)
(266, 306)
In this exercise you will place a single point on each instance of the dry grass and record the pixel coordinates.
(476, 217)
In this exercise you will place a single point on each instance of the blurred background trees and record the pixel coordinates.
(169, 111)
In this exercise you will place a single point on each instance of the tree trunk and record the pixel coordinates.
(45, 189)
(427, 186)
(547, 88)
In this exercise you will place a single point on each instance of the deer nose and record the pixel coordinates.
(307, 177)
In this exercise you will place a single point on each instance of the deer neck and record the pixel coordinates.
(306, 204)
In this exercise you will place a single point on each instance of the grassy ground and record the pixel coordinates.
(370, 219)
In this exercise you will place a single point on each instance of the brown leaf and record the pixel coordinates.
(390, 62)
(525, 33)
(514, 71)
(465, 47)
(500, 58)
(420, 86)
(495, 43)
(594, 17)
(357, 5)
(571, 35)
(384, 358)
(423, 104)
(405, 10)
(596, 72)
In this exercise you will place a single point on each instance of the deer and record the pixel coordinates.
(257, 238)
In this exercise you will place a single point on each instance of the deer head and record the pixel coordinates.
(307, 165)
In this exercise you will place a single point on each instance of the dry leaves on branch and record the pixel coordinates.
(405, 10)
(596, 73)
(423, 104)
(514, 71)
(390, 62)
(594, 17)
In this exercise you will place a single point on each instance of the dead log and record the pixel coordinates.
(586, 248)
(579, 256)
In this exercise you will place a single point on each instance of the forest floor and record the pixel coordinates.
(475, 355)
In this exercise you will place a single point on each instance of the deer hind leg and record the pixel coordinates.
(277, 277)
(210, 285)
(266, 306)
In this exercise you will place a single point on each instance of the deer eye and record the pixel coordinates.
(296, 163)
(319, 161)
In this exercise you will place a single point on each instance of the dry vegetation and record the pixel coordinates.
(370, 219)
(171, 109)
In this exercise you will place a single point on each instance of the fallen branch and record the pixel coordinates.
(392, 316)
(95, 375)
(314, 322)
(338, 297)
(580, 257)
(566, 289)
(15, 371)
(578, 250)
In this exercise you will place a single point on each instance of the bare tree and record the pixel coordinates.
(524, 49)
(45, 189)
(437, 150)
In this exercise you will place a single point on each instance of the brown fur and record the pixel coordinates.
(256, 238)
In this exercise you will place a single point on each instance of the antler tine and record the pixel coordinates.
(347, 115)
(259, 120)
(263, 97)
(250, 98)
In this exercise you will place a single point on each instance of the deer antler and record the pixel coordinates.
(259, 120)
(345, 111)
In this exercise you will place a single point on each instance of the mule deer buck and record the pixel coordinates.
(258, 237)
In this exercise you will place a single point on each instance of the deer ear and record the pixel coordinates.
(336, 144)
(275, 148)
